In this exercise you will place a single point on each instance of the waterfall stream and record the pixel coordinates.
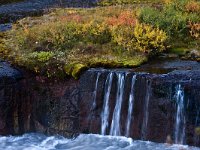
(180, 116)
(130, 106)
(105, 111)
(115, 125)
(95, 91)
(146, 110)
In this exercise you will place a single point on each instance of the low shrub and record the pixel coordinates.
(142, 37)
(194, 29)
(193, 6)
(148, 39)
(124, 2)
(41, 56)
(98, 33)
(126, 18)
(173, 18)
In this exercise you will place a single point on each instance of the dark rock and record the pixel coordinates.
(31, 103)
(9, 13)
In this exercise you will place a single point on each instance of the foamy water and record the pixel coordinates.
(83, 142)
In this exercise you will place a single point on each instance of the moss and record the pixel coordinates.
(197, 131)
(68, 69)
(179, 51)
(75, 70)
(118, 62)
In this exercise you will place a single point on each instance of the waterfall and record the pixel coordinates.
(92, 109)
(95, 91)
(131, 105)
(115, 125)
(105, 111)
(180, 116)
(146, 110)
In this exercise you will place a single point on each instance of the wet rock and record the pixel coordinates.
(162, 103)
(31, 103)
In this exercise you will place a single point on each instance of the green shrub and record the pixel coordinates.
(148, 39)
(41, 56)
(124, 2)
(60, 36)
(124, 38)
(98, 33)
(142, 37)
(173, 18)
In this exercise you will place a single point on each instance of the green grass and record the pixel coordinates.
(124, 2)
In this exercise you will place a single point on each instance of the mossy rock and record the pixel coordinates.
(106, 64)
(179, 51)
(68, 69)
(197, 130)
(75, 70)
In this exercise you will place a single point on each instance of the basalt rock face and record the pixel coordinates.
(140, 105)
(156, 110)
(32, 104)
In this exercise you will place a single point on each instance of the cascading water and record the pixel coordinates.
(105, 111)
(95, 91)
(92, 109)
(131, 104)
(180, 116)
(115, 125)
(146, 110)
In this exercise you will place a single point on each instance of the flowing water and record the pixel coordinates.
(82, 142)
(180, 116)
(95, 91)
(146, 110)
(130, 106)
(115, 126)
(105, 111)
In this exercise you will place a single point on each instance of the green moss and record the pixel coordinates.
(118, 62)
(68, 69)
(179, 51)
(197, 131)
(77, 70)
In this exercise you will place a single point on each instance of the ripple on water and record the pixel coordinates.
(83, 142)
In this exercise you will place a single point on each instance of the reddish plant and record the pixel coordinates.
(193, 6)
(194, 29)
(125, 18)
(71, 17)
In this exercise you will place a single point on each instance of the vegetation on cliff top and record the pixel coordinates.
(68, 41)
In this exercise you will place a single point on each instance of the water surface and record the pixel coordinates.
(34, 141)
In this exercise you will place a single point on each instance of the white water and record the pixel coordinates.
(131, 105)
(105, 111)
(146, 110)
(95, 91)
(115, 125)
(82, 142)
(180, 116)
